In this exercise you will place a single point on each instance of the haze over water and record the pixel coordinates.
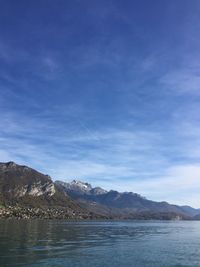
(128, 243)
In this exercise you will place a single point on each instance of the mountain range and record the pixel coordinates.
(27, 193)
(126, 204)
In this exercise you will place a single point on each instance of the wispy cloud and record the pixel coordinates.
(183, 80)
(178, 184)
(114, 158)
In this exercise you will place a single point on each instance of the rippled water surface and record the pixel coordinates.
(129, 243)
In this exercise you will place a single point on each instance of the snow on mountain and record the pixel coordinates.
(82, 188)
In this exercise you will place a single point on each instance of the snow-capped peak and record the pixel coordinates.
(82, 188)
(77, 185)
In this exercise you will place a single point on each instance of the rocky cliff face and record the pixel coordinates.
(27, 193)
(19, 181)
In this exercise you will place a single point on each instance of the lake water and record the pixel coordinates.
(127, 243)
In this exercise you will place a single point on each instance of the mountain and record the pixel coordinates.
(27, 193)
(197, 217)
(78, 188)
(114, 203)
(191, 211)
(18, 181)
(24, 188)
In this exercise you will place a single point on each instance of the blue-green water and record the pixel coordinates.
(127, 243)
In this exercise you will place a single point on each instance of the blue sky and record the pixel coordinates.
(107, 92)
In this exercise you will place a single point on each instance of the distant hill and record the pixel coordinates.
(197, 217)
(191, 211)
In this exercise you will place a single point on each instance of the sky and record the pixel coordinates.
(104, 91)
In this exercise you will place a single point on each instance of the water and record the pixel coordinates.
(85, 244)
